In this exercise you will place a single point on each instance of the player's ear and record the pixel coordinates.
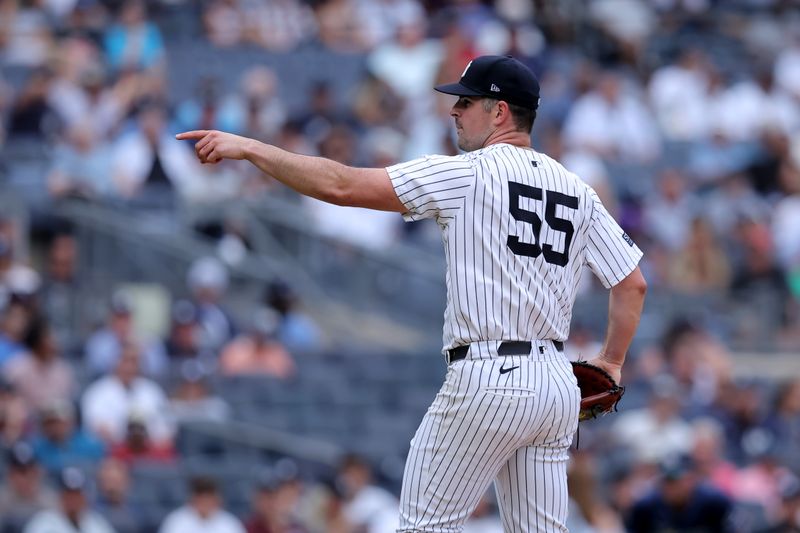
(501, 111)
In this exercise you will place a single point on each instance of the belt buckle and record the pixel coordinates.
(457, 354)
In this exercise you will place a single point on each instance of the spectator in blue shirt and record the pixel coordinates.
(13, 324)
(134, 42)
(296, 330)
(105, 346)
(60, 443)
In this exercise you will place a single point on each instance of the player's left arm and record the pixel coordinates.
(317, 177)
(625, 304)
(613, 257)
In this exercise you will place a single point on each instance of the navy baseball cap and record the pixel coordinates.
(72, 479)
(21, 455)
(498, 77)
(674, 467)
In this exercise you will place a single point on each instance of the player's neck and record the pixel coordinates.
(513, 137)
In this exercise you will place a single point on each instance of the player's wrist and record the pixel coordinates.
(249, 149)
(611, 360)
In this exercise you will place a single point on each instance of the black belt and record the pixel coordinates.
(505, 348)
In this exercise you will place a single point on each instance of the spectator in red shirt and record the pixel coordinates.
(137, 445)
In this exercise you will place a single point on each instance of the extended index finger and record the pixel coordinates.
(195, 135)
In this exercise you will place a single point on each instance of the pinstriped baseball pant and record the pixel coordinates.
(513, 428)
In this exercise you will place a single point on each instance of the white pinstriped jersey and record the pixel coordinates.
(517, 229)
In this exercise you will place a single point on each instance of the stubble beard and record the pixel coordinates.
(465, 144)
(471, 143)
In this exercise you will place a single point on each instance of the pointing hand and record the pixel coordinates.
(213, 146)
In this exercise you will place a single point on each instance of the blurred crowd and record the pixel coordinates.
(684, 115)
(695, 448)
(97, 399)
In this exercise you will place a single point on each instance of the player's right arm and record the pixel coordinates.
(317, 177)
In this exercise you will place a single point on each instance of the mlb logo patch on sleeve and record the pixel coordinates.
(627, 239)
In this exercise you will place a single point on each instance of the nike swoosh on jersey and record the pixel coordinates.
(507, 370)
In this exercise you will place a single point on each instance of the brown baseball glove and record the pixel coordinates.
(599, 392)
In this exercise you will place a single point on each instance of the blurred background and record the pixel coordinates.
(191, 348)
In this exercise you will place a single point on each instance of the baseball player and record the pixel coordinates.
(517, 230)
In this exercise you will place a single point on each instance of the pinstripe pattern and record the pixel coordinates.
(494, 293)
(517, 229)
(483, 425)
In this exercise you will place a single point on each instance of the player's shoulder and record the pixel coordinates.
(427, 162)
(560, 174)
(542, 160)
(558, 167)
(499, 150)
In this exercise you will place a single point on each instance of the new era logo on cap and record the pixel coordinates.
(498, 77)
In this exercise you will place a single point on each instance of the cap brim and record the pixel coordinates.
(456, 89)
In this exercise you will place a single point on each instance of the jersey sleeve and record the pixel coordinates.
(610, 252)
(432, 186)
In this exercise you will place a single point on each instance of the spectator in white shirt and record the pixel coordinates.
(744, 110)
(679, 96)
(409, 47)
(148, 161)
(73, 515)
(203, 513)
(635, 428)
(83, 95)
(613, 121)
(368, 507)
(109, 402)
(787, 70)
